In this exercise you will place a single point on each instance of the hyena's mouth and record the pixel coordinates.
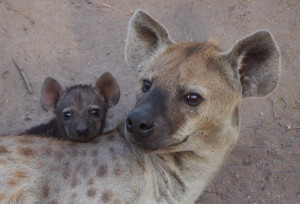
(152, 148)
(179, 142)
(154, 143)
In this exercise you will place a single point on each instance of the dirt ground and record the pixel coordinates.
(75, 41)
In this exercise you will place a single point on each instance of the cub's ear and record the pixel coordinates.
(108, 87)
(255, 60)
(51, 92)
(145, 37)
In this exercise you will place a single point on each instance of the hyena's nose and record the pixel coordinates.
(82, 129)
(139, 123)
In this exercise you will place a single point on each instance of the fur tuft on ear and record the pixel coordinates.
(108, 87)
(255, 59)
(51, 92)
(145, 37)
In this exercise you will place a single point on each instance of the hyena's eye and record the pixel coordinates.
(95, 112)
(146, 86)
(193, 99)
(67, 115)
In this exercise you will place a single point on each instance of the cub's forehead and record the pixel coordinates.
(80, 95)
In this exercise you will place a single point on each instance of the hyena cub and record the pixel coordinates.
(79, 110)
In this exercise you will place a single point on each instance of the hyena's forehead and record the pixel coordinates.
(185, 57)
(186, 65)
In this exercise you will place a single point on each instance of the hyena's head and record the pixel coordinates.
(188, 93)
(81, 109)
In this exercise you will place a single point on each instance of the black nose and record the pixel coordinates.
(138, 123)
(82, 129)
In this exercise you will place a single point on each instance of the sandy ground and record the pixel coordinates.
(75, 41)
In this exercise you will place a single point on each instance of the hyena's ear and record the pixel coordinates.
(256, 61)
(108, 87)
(145, 37)
(51, 92)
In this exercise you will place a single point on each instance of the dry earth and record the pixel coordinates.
(75, 41)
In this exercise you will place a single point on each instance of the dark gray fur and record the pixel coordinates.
(81, 101)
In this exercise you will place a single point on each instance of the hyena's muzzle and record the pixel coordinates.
(151, 124)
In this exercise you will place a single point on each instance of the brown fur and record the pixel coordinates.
(3, 150)
(171, 147)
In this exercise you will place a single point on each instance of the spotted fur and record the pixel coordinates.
(172, 159)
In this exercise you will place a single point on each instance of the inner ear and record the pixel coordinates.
(108, 87)
(145, 37)
(148, 36)
(256, 61)
(51, 92)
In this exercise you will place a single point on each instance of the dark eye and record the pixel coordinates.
(67, 115)
(146, 86)
(95, 112)
(193, 99)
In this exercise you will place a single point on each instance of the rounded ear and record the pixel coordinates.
(255, 61)
(145, 37)
(108, 87)
(51, 92)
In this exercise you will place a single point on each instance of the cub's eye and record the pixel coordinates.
(95, 112)
(67, 115)
(146, 86)
(193, 99)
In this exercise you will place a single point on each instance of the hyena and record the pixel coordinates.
(182, 128)
(80, 110)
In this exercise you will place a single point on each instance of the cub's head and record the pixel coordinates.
(81, 109)
(188, 93)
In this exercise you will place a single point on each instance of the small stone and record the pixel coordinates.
(246, 161)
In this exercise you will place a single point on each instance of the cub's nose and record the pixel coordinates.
(82, 129)
(138, 122)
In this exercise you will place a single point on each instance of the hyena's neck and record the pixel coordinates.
(52, 128)
(55, 128)
(181, 177)
(177, 177)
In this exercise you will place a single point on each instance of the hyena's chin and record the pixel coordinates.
(144, 146)
(82, 139)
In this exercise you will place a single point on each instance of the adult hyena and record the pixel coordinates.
(178, 135)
